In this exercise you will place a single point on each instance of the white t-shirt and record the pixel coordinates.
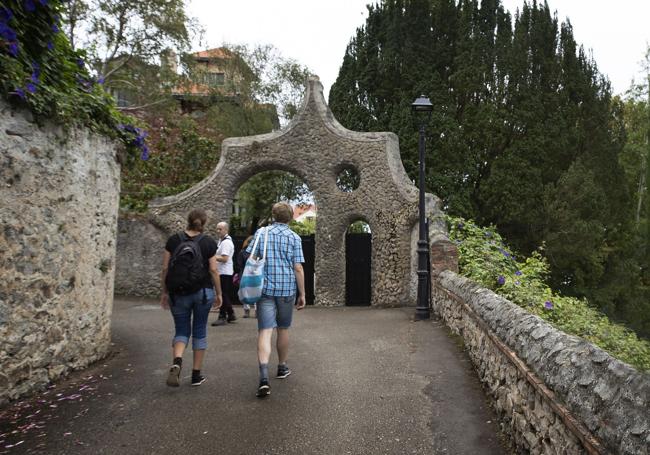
(226, 248)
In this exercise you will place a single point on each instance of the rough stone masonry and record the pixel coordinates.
(554, 393)
(59, 198)
(316, 148)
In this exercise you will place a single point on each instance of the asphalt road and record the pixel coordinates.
(365, 381)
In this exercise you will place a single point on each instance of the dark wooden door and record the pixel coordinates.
(309, 251)
(358, 248)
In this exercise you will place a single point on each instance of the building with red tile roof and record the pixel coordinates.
(302, 212)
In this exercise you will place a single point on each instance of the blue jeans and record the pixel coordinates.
(275, 311)
(190, 314)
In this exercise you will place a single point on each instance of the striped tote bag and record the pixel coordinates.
(252, 278)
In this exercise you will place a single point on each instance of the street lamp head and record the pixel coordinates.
(422, 108)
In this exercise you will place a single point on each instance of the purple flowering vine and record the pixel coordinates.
(36, 72)
(86, 84)
(518, 273)
(7, 33)
(138, 139)
(548, 305)
(30, 6)
(20, 93)
(501, 280)
(13, 49)
(5, 15)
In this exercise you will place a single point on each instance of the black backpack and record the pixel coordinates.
(186, 270)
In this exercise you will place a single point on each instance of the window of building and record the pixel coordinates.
(214, 79)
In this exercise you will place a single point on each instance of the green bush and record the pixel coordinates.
(181, 157)
(484, 258)
(307, 227)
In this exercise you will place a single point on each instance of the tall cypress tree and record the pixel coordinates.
(522, 132)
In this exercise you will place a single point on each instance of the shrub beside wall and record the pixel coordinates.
(607, 398)
(60, 193)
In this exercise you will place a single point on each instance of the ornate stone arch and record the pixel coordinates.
(314, 146)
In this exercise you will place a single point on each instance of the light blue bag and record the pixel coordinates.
(252, 278)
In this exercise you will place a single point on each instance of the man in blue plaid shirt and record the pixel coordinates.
(283, 278)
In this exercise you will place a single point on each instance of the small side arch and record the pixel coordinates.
(358, 262)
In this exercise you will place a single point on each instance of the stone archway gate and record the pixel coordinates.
(316, 148)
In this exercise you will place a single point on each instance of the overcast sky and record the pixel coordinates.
(316, 32)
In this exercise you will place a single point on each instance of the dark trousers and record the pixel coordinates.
(226, 296)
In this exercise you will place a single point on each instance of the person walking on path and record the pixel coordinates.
(225, 252)
(242, 257)
(190, 286)
(283, 278)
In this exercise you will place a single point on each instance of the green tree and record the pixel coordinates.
(125, 39)
(359, 227)
(260, 192)
(307, 227)
(264, 76)
(635, 156)
(524, 133)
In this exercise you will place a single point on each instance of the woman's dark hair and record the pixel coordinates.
(246, 242)
(196, 220)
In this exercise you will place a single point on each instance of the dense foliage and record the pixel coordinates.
(186, 145)
(181, 156)
(260, 192)
(307, 227)
(485, 258)
(269, 78)
(126, 41)
(524, 134)
(40, 70)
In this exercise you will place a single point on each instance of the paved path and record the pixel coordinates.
(365, 381)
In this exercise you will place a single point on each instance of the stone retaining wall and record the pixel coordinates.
(60, 194)
(555, 393)
(139, 257)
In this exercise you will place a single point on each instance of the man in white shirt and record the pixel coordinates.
(225, 252)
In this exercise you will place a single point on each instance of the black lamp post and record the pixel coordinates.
(422, 109)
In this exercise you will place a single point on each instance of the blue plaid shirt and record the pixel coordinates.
(284, 249)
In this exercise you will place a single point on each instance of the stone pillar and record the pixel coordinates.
(444, 255)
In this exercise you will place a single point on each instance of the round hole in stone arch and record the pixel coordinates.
(348, 179)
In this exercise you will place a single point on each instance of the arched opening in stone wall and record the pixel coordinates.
(252, 204)
(251, 209)
(358, 264)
